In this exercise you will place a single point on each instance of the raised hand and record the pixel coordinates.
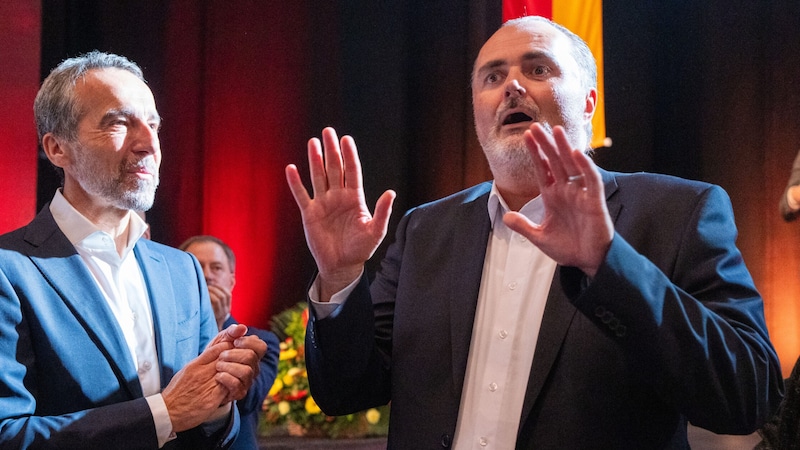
(340, 231)
(576, 229)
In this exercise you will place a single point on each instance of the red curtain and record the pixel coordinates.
(20, 27)
(234, 103)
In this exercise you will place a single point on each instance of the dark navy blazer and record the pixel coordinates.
(670, 329)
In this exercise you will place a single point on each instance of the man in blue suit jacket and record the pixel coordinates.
(218, 262)
(558, 307)
(108, 340)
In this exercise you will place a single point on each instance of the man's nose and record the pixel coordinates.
(146, 137)
(514, 89)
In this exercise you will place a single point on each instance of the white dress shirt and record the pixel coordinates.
(514, 287)
(120, 279)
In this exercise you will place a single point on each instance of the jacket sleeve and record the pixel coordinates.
(349, 378)
(694, 324)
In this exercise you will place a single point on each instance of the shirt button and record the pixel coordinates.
(512, 285)
(483, 442)
(503, 334)
(492, 387)
(145, 366)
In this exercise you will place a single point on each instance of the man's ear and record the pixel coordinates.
(56, 149)
(233, 280)
(590, 105)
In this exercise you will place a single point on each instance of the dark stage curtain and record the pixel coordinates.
(704, 90)
(242, 86)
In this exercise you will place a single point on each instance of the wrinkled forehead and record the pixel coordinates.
(511, 42)
(113, 87)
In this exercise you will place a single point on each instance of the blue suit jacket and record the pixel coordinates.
(250, 406)
(670, 329)
(66, 376)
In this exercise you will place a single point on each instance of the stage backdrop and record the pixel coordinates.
(702, 90)
(20, 28)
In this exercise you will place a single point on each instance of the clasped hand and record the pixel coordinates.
(222, 373)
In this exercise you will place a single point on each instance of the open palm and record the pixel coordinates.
(340, 231)
(576, 229)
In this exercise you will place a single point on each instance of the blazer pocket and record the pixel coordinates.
(189, 327)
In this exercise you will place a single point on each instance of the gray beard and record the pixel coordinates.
(514, 160)
(116, 188)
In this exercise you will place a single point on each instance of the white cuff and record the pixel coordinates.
(161, 419)
(325, 309)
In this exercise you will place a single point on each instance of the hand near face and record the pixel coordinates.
(220, 303)
(577, 229)
(340, 231)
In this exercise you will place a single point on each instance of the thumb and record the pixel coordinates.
(211, 353)
(383, 210)
(230, 334)
(521, 224)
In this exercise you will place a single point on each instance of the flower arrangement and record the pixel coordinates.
(289, 407)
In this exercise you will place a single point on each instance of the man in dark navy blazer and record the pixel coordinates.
(108, 340)
(218, 262)
(559, 306)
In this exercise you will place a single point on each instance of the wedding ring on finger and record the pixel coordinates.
(574, 178)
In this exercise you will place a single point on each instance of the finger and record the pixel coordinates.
(212, 353)
(252, 345)
(236, 389)
(242, 356)
(223, 295)
(586, 166)
(353, 177)
(541, 167)
(547, 145)
(333, 158)
(316, 167)
(299, 191)
(522, 225)
(383, 210)
(230, 334)
(565, 152)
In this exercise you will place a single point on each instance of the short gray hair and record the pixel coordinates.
(55, 107)
(214, 240)
(581, 53)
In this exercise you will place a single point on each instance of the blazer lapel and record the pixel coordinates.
(558, 315)
(65, 271)
(472, 227)
(159, 284)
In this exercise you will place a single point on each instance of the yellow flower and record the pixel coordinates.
(288, 354)
(311, 406)
(294, 371)
(276, 387)
(284, 408)
(373, 416)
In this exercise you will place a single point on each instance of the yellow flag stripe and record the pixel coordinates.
(585, 18)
